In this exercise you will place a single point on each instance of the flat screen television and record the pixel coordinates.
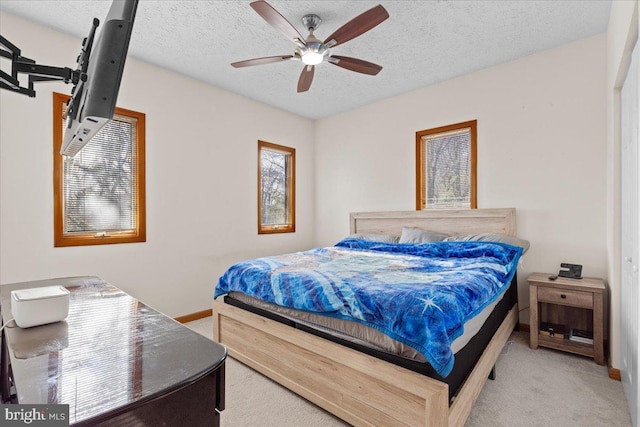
(93, 100)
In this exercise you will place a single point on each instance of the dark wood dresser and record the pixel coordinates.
(113, 361)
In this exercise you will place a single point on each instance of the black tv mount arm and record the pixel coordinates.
(43, 73)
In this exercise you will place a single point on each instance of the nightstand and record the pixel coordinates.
(568, 305)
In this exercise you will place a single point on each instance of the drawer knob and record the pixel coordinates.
(563, 296)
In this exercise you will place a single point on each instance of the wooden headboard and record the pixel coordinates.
(470, 221)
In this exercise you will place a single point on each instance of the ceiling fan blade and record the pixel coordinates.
(276, 20)
(357, 65)
(306, 77)
(260, 61)
(358, 25)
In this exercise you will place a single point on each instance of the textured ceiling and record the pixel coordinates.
(422, 42)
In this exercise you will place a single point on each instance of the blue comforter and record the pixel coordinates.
(419, 294)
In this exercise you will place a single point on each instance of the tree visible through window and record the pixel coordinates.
(446, 167)
(276, 188)
(99, 193)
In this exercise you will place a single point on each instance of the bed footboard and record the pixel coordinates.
(360, 389)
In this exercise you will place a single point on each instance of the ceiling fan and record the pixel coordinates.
(312, 51)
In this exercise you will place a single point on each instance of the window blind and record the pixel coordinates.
(447, 168)
(99, 182)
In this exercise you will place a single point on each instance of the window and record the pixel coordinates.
(446, 167)
(99, 195)
(276, 188)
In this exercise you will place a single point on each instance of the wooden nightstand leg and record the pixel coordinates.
(598, 328)
(533, 317)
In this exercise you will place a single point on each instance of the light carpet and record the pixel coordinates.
(532, 388)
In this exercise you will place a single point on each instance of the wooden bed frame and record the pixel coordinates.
(358, 388)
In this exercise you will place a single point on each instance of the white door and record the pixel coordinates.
(630, 238)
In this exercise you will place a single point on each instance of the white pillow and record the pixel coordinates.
(418, 235)
(384, 238)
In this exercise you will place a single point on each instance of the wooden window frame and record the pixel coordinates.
(420, 178)
(291, 191)
(96, 238)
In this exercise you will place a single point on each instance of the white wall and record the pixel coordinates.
(541, 149)
(621, 35)
(201, 158)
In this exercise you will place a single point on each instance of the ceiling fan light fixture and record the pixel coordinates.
(312, 58)
(312, 51)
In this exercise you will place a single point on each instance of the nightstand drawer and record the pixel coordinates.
(565, 297)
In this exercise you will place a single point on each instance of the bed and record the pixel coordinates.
(355, 385)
